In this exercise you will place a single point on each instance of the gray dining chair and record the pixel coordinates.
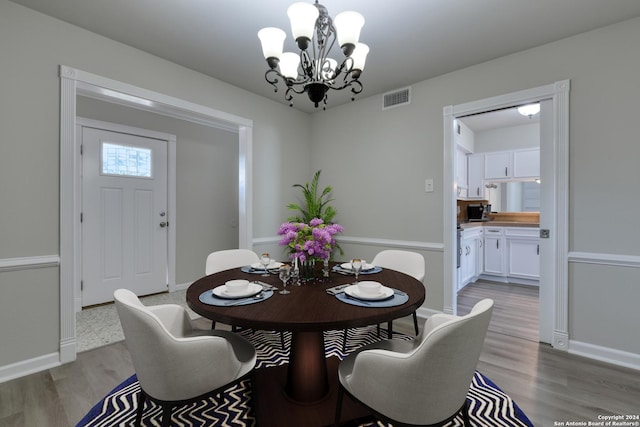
(422, 382)
(407, 262)
(177, 364)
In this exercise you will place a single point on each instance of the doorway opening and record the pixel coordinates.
(75, 82)
(554, 101)
(498, 210)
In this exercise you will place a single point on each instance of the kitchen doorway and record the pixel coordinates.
(505, 264)
(554, 99)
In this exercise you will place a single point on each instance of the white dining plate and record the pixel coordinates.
(365, 267)
(221, 292)
(354, 292)
(258, 266)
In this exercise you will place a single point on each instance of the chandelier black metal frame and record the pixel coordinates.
(312, 71)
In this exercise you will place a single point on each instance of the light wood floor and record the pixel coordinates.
(547, 384)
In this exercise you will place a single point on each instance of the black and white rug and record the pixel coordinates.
(489, 406)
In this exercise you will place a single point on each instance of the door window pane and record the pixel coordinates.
(125, 160)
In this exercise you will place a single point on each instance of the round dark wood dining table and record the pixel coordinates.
(306, 312)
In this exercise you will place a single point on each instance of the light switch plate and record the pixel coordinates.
(428, 185)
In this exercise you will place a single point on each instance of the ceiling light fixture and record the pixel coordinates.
(311, 70)
(529, 110)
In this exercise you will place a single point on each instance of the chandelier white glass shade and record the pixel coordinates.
(311, 70)
(529, 110)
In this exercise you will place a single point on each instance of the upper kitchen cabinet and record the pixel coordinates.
(475, 177)
(497, 165)
(515, 164)
(461, 173)
(526, 163)
(464, 144)
(464, 137)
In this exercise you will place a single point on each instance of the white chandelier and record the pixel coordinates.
(311, 70)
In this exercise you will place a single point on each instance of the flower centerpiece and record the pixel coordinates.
(309, 236)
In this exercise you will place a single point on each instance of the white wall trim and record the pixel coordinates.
(29, 366)
(616, 260)
(403, 244)
(29, 263)
(605, 354)
(368, 241)
(75, 82)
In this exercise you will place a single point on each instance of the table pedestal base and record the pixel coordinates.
(276, 409)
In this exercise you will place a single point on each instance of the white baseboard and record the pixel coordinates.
(29, 366)
(605, 354)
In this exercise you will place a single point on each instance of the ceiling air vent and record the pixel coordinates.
(396, 98)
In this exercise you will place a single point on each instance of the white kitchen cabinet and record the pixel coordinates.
(526, 163)
(461, 173)
(523, 247)
(464, 137)
(497, 165)
(475, 177)
(471, 256)
(515, 164)
(494, 251)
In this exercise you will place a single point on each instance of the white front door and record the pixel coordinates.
(124, 214)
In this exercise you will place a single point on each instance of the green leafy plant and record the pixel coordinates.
(315, 206)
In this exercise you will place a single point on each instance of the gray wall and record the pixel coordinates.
(387, 155)
(32, 47)
(377, 162)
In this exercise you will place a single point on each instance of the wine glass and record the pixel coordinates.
(356, 266)
(265, 260)
(284, 274)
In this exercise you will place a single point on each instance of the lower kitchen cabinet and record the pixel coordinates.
(504, 254)
(494, 252)
(523, 252)
(471, 256)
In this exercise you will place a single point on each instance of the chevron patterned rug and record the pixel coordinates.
(489, 406)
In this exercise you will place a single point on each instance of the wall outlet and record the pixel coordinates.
(428, 185)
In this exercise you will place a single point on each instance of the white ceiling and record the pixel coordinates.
(498, 119)
(410, 40)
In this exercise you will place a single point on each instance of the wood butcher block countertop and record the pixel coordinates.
(499, 224)
(506, 219)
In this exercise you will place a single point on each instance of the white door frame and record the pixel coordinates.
(75, 82)
(558, 303)
(171, 191)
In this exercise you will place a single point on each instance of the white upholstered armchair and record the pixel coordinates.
(174, 362)
(229, 258)
(420, 382)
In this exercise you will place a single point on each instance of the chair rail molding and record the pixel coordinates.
(369, 241)
(616, 260)
(29, 263)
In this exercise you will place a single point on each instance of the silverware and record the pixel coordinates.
(265, 286)
(357, 299)
(243, 300)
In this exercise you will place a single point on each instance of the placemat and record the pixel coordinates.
(398, 298)
(251, 270)
(207, 297)
(340, 270)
